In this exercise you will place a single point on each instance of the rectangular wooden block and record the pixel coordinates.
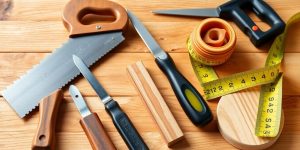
(155, 103)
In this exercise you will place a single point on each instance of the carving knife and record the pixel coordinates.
(191, 101)
(91, 123)
(121, 121)
(90, 42)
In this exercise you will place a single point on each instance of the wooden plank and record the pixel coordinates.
(111, 71)
(34, 29)
(51, 10)
(78, 141)
(17, 133)
(194, 141)
(45, 36)
(69, 118)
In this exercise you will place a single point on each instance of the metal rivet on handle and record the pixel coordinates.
(98, 27)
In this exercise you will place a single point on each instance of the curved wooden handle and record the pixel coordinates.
(95, 132)
(75, 10)
(49, 106)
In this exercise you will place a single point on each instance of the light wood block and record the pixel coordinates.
(237, 115)
(155, 103)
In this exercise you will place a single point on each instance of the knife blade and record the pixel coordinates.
(79, 101)
(121, 121)
(82, 67)
(87, 41)
(191, 101)
(91, 123)
(195, 12)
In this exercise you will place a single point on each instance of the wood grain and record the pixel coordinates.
(5, 8)
(51, 10)
(45, 135)
(34, 29)
(113, 66)
(155, 103)
(237, 114)
(46, 36)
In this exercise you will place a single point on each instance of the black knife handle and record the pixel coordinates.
(234, 10)
(126, 129)
(190, 100)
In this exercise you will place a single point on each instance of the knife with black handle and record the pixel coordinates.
(124, 126)
(121, 121)
(189, 98)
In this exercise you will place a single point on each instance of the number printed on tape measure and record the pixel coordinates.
(269, 112)
(237, 82)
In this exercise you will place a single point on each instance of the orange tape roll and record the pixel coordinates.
(213, 41)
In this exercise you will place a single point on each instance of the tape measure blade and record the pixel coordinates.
(204, 73)
(269, 110)
(239, 81)
(276, 51)
(214, 87)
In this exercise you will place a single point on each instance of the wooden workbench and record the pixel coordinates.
(34, 29)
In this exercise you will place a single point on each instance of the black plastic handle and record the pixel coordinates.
(190, 100)
(234, 10)
(126, 129)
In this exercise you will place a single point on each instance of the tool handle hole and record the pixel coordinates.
(260, 24)
(42, 137)
(91, 16)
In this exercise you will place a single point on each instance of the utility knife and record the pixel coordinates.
(190, 99)
(121, 121)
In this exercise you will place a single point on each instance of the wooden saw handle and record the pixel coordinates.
(75, 10)
(95, 132)
(45, 136)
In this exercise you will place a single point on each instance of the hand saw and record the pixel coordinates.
(88, 41)
(235, 10)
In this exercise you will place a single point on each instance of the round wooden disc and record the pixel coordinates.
(237, 115)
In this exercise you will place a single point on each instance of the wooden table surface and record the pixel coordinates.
(34, 29)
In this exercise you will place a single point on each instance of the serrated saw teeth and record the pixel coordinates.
(57, 70)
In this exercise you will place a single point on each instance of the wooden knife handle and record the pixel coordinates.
(45, 136)
(75, 10)
(95, 132)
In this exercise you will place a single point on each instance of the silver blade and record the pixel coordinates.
(146, 36)
(57, 70)
(205, 12)
(92, 79)
(79, 101)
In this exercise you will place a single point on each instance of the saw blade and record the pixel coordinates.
(196, 12)
(57, 70)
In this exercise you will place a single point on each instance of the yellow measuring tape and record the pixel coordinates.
(269, 111)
